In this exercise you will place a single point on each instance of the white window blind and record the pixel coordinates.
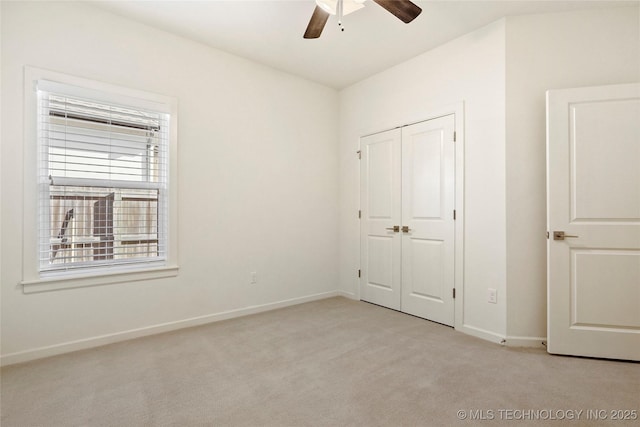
(102, 181)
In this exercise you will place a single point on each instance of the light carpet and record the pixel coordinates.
(334, 362)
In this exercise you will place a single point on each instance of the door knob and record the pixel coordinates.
(405, 229)
(559, 235)
(395, 228)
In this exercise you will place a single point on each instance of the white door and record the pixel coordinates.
(428, 184)
(407, 224)
(593, 191)
(380, 213)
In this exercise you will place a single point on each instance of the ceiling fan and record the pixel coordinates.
(404, 10)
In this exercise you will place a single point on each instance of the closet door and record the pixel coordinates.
(380, 245)
(428, 190)
(407, 224)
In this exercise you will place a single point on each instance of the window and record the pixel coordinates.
(103, 182)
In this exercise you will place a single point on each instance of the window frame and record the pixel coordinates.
(33, 280)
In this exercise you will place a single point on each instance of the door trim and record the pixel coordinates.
(457, 110)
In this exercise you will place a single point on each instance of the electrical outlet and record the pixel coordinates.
(254, 278)
(492, 296)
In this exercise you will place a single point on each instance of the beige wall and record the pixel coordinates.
(258, 184)
(551, 51)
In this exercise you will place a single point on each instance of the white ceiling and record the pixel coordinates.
(270, 31)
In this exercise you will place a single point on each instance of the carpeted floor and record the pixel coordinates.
(334, 362)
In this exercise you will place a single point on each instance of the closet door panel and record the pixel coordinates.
(380, 211)
(428, 183)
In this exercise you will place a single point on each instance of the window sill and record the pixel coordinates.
(58, 283)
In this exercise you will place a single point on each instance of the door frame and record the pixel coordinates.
(457, 110)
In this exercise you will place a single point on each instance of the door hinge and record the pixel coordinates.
(454, 214)
(359, 153)
(359, 214)
(547, 235)
(454, 136)
(454, 293)
(359, 273)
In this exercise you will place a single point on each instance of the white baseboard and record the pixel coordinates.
(509, 341)
(482, 333)
(83, 344)
(349, 295)
(534, 342)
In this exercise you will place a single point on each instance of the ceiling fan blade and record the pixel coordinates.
(404, 10)
(316, 24)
